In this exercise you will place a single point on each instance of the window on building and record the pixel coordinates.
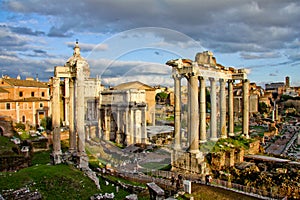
(23, 119)
(32, 94)
(41, 105)
(43, 94)
(7, 106)
(20, 94)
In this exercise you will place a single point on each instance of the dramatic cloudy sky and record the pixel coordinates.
(126, 40)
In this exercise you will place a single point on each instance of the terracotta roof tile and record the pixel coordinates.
(25, 83)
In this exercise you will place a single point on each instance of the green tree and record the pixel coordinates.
(47, 123)
(263, 107)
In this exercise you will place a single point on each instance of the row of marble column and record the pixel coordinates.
(126, 122)
(197, 110)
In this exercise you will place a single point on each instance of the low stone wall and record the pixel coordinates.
(12, 163)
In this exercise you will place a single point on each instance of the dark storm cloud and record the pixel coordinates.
(26, 31)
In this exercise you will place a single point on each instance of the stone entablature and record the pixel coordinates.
(117, 97)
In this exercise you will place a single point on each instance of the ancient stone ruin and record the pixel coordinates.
(197, 73)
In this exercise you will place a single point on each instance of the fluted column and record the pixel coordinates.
(188, 116)
(246, 108)
(177, 110)
(213, 110)
(72, 133)
(106, 125)
(230, 108)
(80, 110)
(194, 115)
(56, 120)
(134, 132)
(143, 126)
(67, 100)
(223, 129)
(202, 118)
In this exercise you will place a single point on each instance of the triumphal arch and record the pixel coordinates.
(198, 73)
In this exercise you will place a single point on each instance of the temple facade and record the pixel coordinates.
(198, 73)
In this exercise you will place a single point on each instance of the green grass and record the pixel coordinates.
(6, 146)
(56, 182)
(153, 165)
(41, 157)
(53, 182)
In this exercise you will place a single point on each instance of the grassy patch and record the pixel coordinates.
(153, 165)
(53, 182)
(41, 157)
(7, 146)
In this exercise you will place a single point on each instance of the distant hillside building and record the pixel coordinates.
(26, 101)
(275, 87)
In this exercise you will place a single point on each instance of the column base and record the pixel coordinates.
(202, 141)
(194, 151)
(214, 139)
(83, 160)
(231, 134)
(224, 136)
(177, 147)
(56, 157)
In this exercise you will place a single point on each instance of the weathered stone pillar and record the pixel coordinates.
(83, 161)
(194, 119)
(153, 117)
(99, 130)
(134, 132)
(177, 111)
(143, 126)
(213, 110)
(223, 129)
(129, 127)
(118, 136)
(246, 108)
(188, 111)
(230, 108)
(202, 118)
(56, 121)
(106, 125)
(72, 133)
(67, 100)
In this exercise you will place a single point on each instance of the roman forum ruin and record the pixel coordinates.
(197, 73)
(74, 73)
(119, 115)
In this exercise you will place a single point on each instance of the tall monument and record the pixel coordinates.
(74, 72)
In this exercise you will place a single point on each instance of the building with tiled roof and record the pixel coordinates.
(26, 101)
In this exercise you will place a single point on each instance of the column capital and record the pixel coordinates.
(176, 76)
(222, 80)
(212, 79)
(201, 78)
